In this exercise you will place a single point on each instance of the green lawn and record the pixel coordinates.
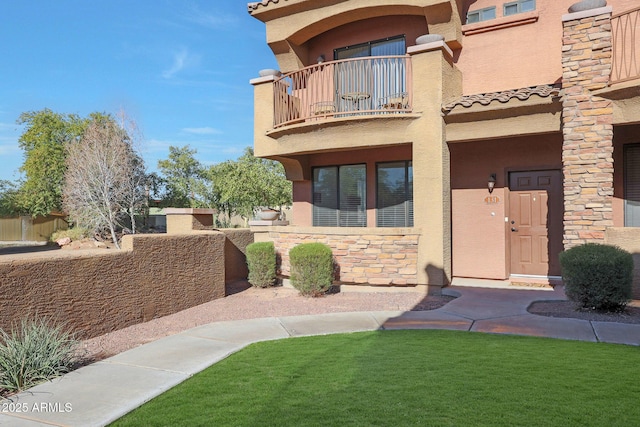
(400, 378)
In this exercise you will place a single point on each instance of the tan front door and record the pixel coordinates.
(535, 222)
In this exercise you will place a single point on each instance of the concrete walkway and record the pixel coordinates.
(100, 393)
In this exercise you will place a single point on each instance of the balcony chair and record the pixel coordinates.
(323, 108)
(394, 101)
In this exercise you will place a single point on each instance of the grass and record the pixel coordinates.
(402, 378)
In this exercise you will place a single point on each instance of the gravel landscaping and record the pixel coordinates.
(245, 302)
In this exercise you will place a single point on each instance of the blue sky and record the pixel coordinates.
(179, 68)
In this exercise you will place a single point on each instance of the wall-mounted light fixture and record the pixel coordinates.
(320, 59)
(491, 183)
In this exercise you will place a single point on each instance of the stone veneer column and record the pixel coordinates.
(587, 151)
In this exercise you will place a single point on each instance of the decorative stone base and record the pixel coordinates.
(371, 256)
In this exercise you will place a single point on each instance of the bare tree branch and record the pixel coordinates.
(104, 181)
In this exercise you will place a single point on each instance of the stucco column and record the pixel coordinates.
(587, 151)
(263, 116)
(435, 79)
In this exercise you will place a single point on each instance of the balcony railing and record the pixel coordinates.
(626, 42)
(347, 88)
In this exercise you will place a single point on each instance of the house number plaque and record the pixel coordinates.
(492, 200)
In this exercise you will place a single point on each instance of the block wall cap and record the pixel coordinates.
(587, 5)
(586, 14)
(427, 47)
(189, 211)
(261, 80)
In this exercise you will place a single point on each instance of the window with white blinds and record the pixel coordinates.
(339, 196)
(394, 194)
(389, 46)
(632, 185)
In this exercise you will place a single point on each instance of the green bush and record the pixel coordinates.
(261, 260)
(311, 268)
(36, 350)
(598, 276)
(76, 233)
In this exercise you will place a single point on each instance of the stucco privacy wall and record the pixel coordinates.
(627, 238)
(235, 253)
(378, 256)
(99, 292)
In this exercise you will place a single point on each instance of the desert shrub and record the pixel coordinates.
(598, 276)
(76, 233)
(311, 268)
(36, 350)
(261, 261)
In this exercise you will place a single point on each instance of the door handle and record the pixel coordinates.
(514, 229)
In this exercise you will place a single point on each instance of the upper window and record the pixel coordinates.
(395, 194)
(339, 196)
(385, 47)
(519, 6)
(481, 15)
(632, 185)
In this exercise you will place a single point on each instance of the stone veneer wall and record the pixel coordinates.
(99, 291)
(361, 256)
(587, 152)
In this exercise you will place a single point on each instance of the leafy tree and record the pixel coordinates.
(104, 180)
(8, 198)
(156, 189)
(217, 176)
(244, 185)
(182, 175)
(234, 187)
(43, 143)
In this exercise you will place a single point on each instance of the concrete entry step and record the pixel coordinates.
(521, 283)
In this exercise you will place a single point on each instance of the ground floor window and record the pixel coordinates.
(394, 182)
(632, 185)
(339, 196)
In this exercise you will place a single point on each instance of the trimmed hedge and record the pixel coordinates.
(311, 268)
(261, 261)
(598, 276)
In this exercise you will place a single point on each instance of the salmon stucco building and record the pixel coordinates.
(429, 140)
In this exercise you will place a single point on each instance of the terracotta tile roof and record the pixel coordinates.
(255, 5)
(523, 94)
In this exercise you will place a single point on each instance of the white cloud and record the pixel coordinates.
(177, 66)
(203, 131)
(182, 60)
(8, 148)
(9, 134)
(156, 145)
(211, 20)
(9, 127)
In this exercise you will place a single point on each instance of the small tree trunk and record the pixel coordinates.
(114, 237)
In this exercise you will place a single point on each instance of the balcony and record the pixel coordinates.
(626, 44)
(351, 88)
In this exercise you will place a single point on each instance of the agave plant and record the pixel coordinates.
(35, 351)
